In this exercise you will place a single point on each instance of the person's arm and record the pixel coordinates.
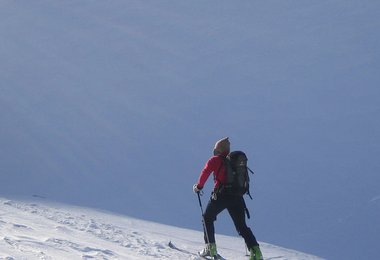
(206, 171)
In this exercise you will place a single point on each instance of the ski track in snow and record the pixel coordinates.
(38, 231)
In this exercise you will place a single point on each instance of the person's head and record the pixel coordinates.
(222, 146)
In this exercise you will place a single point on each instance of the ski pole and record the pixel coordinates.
(203, 218)
(200, 201)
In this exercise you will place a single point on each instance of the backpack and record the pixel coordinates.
(237, 177)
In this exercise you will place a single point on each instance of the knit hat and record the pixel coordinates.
(222, 146)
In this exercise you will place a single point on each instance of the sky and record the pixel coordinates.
(117, 105)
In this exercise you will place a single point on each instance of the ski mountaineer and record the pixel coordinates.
(222, 200)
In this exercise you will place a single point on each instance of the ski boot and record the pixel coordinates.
(256, 253)
(209, 251)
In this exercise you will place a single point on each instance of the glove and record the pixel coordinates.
(196, 189)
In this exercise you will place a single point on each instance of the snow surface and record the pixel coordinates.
(117, 104)
(44, 230)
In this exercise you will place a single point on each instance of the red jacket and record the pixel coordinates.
(214, 164)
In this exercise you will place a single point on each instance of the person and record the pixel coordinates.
(220, 200)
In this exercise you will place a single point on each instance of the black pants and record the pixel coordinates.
(236, 208)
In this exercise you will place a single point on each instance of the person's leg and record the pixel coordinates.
(214, 207)
(237, 213)
(236, 209)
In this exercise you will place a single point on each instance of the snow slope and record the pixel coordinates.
(43, 230)
(117, 105)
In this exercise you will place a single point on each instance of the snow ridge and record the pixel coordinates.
(44, 230)
(70, 223)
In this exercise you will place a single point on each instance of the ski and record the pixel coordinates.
(197, 255)
(172, 246)
(218, 257)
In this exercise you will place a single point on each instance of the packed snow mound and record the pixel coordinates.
(44, 230)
